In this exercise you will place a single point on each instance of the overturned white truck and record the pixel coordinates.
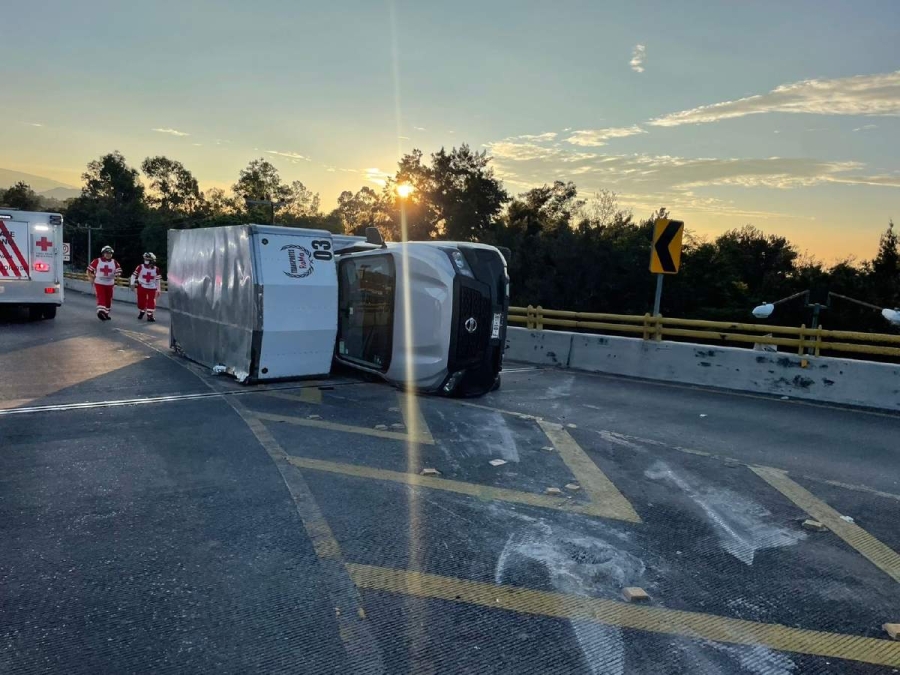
(263, 302)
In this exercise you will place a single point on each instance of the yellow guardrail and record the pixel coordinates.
(120, 281)
(803, 339)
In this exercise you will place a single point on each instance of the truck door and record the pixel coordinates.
(14, 250)
(366, 286)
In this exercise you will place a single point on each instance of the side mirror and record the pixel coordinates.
(373, 236)
(764, 311)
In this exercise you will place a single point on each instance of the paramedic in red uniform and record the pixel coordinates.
(146, 277)
(103, 272)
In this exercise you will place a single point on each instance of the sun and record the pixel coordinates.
(404, 190)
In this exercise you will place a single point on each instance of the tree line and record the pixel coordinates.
(569, 251)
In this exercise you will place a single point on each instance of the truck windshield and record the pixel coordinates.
(366, 303)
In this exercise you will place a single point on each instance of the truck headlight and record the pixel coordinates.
(459, 262)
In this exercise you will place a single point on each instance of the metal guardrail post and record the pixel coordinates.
(646, 335)
(540, 317)
(818, 339)
(529, 317)
(802, 339)
(659, 327)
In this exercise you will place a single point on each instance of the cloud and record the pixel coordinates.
(349, 170)
(637, 58)
(32, 124)
(403, 138)
(872, 95)
(198, 145)
(598, 137)
(520, 152)
(171, 132)
(419, 129)
(377, 176)
(546, 136)
(866, 127)
(293, 157)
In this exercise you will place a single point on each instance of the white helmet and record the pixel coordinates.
(107, 249)
(150, 256)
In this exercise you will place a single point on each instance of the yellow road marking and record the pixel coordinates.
(361, 646)
(307, 395)
(485, 492)
(413, 417)
(614, 613)
(334, 426)
(594, 482)
(883, 557)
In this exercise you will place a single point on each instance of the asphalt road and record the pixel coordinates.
(156, 518)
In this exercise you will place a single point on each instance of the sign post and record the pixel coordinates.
(665, 253)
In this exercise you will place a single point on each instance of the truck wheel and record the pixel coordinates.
(49, 312)
(35, 313)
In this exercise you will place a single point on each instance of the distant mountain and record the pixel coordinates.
(60, 193)
(39, 184)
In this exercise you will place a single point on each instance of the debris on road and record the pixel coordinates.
(361, 613)
(553, 491)
(398, 427)
(313, 417)
(393, 409)
(893, 630)
(572, 426)
(574, 487)
(848, 519)
(703, 415)
(497, 462)
(381, 427)
(635, 594)
(430, 472)
(814, 526)
(218, 370)
(548, 448)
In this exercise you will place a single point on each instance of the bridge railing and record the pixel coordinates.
(120, 281)
(803, 339)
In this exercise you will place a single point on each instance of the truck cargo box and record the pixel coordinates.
(257, 301)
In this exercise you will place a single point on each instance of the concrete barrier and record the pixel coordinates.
(826, 379)
(547, 348)
(121, 294)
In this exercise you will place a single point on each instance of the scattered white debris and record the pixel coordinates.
(218, 370)
(554, 491)
(848, 519)
(893, 630)
(814, 526)
(702, 414)
(381, 427)
(430, 472)
(572, 426)
(313, 417)
(497, 462)
(398, 427)
(785, 398)
(742, 525)
(548, 448)
(574, 487)
(393, 409)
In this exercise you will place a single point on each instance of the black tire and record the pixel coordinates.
(35, 313)
(49, 312)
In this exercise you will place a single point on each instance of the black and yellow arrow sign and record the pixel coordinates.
(665, 256)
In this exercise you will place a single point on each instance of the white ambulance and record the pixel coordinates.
(31, 261)
(262, 302)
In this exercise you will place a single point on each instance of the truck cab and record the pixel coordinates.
(31, 261)
(428, 316)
